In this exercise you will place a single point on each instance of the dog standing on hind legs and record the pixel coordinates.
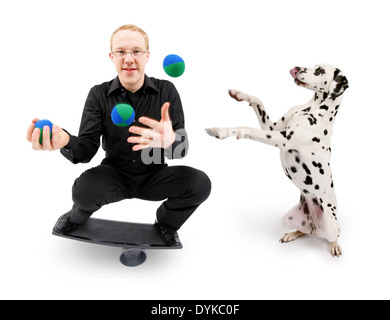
(303, 136)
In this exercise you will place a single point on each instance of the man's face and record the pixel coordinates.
(130, 69)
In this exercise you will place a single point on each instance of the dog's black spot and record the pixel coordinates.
(304, 166)
(312, 120)
(324, 107)
(308, 181)
(283, 133)
(305, 191)
(319, 166)
(303, 223)
(326, 94)
(297, 160)
(293, 170)
(325, 132)
(316, 140)
(268, 136)
(290, 135)
(307, 109)
(317, 187)
(319, 71)
(306, 209)
(261, 113)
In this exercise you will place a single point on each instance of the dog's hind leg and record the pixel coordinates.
(291, 236)
(335, 249)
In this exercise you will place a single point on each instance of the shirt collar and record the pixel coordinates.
(116, 85)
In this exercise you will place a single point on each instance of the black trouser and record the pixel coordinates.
(185, 188)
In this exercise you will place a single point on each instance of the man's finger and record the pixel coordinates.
(165, 112)
(31, 128)
(145, 132)
(46, 142)
(139, 140)
(149, 122)
(35, 139)
(139, 147)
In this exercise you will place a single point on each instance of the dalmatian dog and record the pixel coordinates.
(303, 136)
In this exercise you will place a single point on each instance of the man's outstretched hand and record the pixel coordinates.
(159, 134)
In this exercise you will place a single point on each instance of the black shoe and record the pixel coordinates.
(169, 236)
(63, 225)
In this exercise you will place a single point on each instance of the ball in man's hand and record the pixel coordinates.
(41, 124)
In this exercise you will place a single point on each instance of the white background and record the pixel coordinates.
(54, 52)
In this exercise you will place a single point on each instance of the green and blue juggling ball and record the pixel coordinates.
(40, 124)
(123, 115)
(174, 65)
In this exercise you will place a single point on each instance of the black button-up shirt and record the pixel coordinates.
(96, 123)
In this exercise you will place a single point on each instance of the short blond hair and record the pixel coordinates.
(131, 27)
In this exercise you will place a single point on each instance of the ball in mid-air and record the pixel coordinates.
(40, 124)
(174, 65)
(123, 115)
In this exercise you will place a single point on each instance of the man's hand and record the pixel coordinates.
(158, 135)
(59, 137)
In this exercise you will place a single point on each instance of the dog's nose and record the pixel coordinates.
(294, 72)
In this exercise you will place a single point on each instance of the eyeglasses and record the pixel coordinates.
(136, 53)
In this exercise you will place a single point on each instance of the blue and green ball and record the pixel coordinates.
(41, 124)
(174, 65)
(123, 115)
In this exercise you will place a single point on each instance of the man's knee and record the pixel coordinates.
(92, 189)
(200, 186)
(83, 194)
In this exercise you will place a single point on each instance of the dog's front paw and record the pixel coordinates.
(218, 133)
(238, 95)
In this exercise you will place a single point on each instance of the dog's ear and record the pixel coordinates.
(338, 85)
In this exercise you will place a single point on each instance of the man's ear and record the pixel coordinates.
(338, 85)
(147, 56)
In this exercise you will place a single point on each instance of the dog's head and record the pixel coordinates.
(323, 79)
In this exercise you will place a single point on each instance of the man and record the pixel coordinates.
(134, 165)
